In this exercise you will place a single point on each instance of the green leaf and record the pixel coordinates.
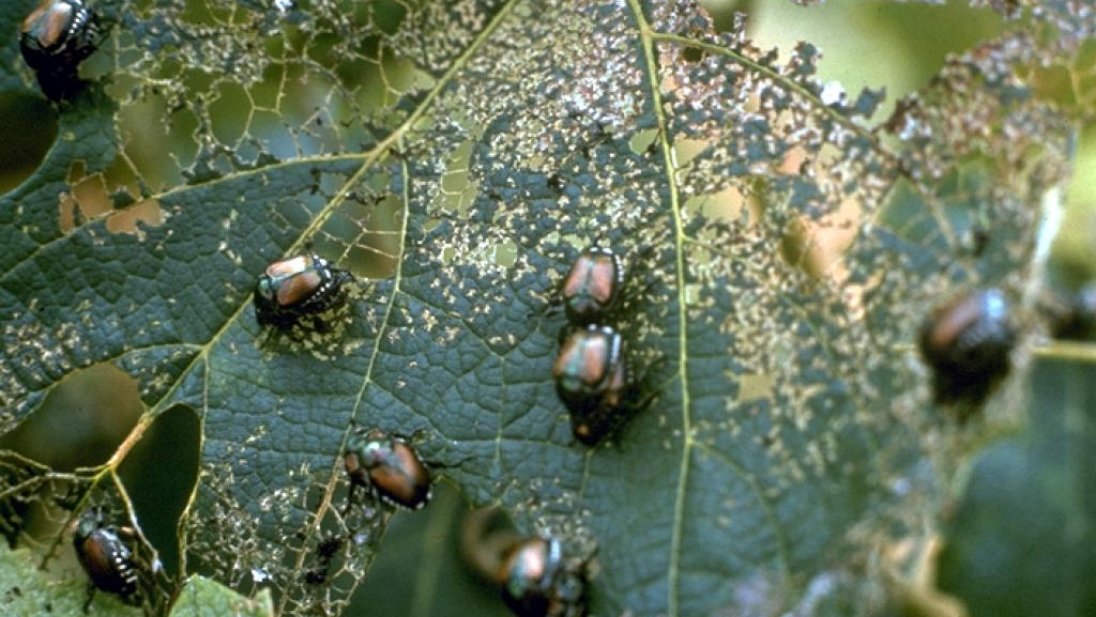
(202, 597)
(419, 570)
(1020, 539)
(27, 591)
(458, 155)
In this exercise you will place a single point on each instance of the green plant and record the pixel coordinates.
(458, 155)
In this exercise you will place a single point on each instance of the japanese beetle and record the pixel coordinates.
(537, 582)
(592, 380)
(106, 558)
(592, 287)
(967, 342)
(296, 287)
(389, 468)
(55, 38)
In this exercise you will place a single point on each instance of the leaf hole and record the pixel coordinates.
(692, 54)
(421, 542)
(90, 199)
(24, 150)
(159, 475)
(82, 421)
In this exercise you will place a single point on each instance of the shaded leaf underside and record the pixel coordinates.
(475, 147)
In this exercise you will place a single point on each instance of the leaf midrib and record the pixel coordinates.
(201, 359)
(647, 40)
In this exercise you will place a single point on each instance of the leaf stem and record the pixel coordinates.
(647, 37)
(1075, 351)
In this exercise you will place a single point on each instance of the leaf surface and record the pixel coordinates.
(459, 155)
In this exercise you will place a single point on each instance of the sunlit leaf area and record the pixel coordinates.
(530, 307)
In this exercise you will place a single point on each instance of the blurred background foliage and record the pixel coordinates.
(896, 46)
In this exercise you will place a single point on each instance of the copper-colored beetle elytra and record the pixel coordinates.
(591, 289)
(536, 580)
(967, 342)
(388, 467)
(106, 558)
(292, 288)
(54, 39)
(592, 381)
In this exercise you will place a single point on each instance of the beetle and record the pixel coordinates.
(591, 289)
(537, 581)
(296, 287)
(106, 557)
(387, 466)
(967, 342)
(55, 38)
(593, 381)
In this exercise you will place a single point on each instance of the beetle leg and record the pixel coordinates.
(349, 499)
(91, 596)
